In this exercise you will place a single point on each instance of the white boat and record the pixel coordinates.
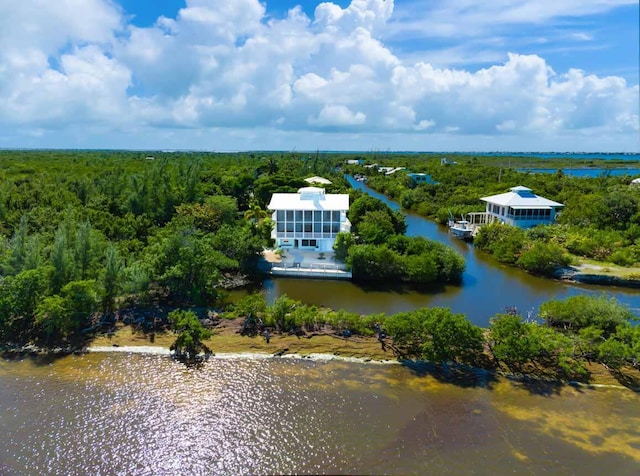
(461, 229)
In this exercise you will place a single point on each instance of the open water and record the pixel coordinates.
(119, 414)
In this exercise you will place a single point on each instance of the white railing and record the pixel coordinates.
(303, 236)
(310, 266)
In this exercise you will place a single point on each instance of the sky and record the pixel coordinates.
(358, 75)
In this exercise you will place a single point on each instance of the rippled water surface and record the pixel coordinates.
(143, 414)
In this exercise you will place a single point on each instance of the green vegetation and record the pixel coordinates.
(569, 334)
(84, 233)
(191, 334)
(528, 249)
(377, 249)
(600, 220)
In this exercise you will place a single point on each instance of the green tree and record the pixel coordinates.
(191, 334)
(452, 338)
(577, 312)
(255, 213)
(61, 260)
(280, 312)
(365, 204)
(18, 246)
(437, 335)
(52, 319)
(85, 250)
(512, 341)
(341, 246)
(543, 258)
(111, 278)
(81, 302)
(375, 227)
(19, 298)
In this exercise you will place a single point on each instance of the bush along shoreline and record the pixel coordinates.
(578, 339)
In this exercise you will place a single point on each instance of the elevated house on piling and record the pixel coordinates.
(309, 219)
(521, 207)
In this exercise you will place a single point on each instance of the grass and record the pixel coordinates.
(590, 266)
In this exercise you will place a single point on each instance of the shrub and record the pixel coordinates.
(543, 258)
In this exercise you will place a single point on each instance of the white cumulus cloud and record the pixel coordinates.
(229, 65)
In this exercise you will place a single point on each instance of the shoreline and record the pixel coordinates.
(319, 357)
(459, 373)
(314, 356)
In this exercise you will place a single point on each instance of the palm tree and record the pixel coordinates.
(255, 213)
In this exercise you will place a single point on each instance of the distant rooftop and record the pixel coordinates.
(316, 179)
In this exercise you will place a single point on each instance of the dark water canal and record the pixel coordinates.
(487, 288)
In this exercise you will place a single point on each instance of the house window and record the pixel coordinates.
(335, 227)
(308, 215)
(280, 215)
(326, 216)
(298, 215)
(289, 227)
(335, 215)
(305, 242)
(298, 227)
(289, 215)
(307, 227)
(280, 227)
(313, 243)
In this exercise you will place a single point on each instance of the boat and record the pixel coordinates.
(461, 228)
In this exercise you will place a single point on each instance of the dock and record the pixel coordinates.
(305, 264)
(317, 271)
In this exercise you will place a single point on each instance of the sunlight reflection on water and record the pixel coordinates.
(148, 415)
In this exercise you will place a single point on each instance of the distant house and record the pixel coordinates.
(521, 207)
(390, 170)
(354, 162)
(309, 219)
(636, 182)
(420, 178)
(318, 180)
(445, 161)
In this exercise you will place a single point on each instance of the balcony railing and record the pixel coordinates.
(304, 236)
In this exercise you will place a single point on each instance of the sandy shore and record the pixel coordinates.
(227, 340)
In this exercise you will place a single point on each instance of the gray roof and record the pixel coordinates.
(521, 197)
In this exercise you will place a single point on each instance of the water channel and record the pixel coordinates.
(487, 287)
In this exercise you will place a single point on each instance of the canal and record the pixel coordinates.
(487, 288)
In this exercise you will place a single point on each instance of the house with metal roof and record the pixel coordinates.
(421, 178)
(521, 207)
(309, 219)
(318, 180)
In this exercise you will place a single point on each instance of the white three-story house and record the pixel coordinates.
(309, 219)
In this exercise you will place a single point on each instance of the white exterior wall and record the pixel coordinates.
(503, 216)
(324, 240)
(309, 219)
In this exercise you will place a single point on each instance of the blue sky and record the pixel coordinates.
(516, 75)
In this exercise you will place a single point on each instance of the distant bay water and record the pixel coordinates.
(587, 172)
(627, 156)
